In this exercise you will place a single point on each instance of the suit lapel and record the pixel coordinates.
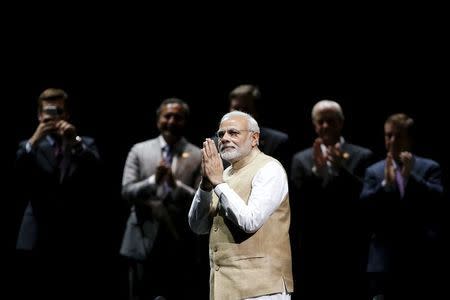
(181, 160)
(346, 156)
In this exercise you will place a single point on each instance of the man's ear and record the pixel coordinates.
(255, 139)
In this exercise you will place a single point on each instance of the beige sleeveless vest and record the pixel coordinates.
(245, 265)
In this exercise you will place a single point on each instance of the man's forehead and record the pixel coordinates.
(172, 107)
(55, 102)
(234, 122)
(327, 112)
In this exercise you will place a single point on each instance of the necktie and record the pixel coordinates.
(167, 155)
(62, 160)
(400, 182)
(58, 152)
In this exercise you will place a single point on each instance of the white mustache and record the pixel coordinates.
(223, 147)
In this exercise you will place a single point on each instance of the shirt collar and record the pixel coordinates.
(50, 140)
(175, 148)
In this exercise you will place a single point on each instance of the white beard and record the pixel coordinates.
(230, 155)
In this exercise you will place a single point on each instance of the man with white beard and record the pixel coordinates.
(245, 209)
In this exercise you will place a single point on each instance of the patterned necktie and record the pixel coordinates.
(167, 155)
(58, 152)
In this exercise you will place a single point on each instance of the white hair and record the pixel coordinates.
(252, 124)
(327, 104)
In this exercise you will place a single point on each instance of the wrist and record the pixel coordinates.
(206, 186)
(217, 183)
(32, 140)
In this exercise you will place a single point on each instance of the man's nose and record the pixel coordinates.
(171, 120)
(225, 136)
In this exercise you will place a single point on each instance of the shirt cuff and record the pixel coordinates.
(220, 188)
(152, 179)
(28, 147)
(386, 187)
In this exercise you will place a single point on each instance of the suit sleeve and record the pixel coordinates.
(429, 184)
(135, 189)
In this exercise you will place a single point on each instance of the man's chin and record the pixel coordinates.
(229, 155)
(172, 135)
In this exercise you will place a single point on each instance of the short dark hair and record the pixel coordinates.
(402, 121)
(167, 101)
(52, 94)
(247, 91)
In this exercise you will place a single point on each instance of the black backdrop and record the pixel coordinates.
(115, 86)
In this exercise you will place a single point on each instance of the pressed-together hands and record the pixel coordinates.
(333, 154)
(61, 127)
(164, 174)
(212, 166)
(406, 160)
(161, 210)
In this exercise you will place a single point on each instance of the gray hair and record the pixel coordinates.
(327, 104)
(248, 91)
(252, 124)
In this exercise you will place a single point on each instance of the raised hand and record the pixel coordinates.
(205, 184)
(407, 161)
(320, 159)
(389, 170)
(66, 130)
(42, 129)
(162, 171)
(335, 155)
(212, 165)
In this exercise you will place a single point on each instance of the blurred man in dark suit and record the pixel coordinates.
(57, 177)
(403, 195)
(327, 180)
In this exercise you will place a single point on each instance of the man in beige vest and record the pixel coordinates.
(245, 209)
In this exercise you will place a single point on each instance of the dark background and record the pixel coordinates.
(117, 75)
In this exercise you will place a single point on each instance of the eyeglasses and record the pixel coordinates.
(231, 132)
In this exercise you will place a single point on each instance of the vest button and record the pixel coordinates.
(217, 268)
(215, 249)
(216, 228)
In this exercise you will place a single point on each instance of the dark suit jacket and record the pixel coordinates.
(327, 242)
(276, 144)
(403, 231)
(58, 206)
